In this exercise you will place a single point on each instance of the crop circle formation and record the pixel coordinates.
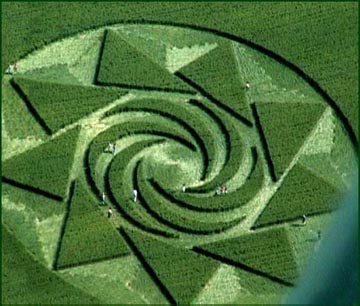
(223, 146)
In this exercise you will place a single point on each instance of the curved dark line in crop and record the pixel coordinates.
(170, 197)
(231, 262)
(178, 139)
(30, 107)
(218, 121)
(31, 189)
(255, 157)
(88, 175)
(87, 166)
(87, 154)
(185, 205)
(264, 143)
(168, 223)
(339, 114)
(153, 213)
(181, 122)
(225, 132)
(63, 226)
(176, 201)
(207, 95)
(86, 159)
(169, 116)
(124, 214)
(148, 268)
(112, 199)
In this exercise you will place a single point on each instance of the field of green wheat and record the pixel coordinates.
(172, 153)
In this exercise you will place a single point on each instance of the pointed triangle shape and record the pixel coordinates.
(14, 111)
(301, 193)
(59, 105)
(268, 251)
(125, 66)
(322, 166)
(88, 235)
(286, 126)
(46, 168)
(176, 58)
(184, 273)
(155, 49)
(322, 140)
(56, 74)
(216, 72)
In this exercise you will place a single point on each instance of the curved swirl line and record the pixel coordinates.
(222, 203)
(118, 196)
(234, 145)
(153, 217)
(161, 108)
(171, 219)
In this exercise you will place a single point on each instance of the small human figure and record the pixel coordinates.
(319, 234)
(247, 85)
(103, 197)
(10, 69)
(303, 219)
(109, 212)
(183, 188)
(135, 194)
(218, 190)
(224, 189)
(114, 148)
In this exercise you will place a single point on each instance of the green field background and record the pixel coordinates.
(321, 38)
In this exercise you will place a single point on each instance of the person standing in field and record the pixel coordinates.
(135, 194)
(10, 69)
(183, 188)
(110, 212)
(103, 197)
(247, 85)
(303, 219)
(224, 189)
(218, 190)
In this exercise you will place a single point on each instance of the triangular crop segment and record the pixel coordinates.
(301, 193)
(59, 104)
(123, 65)
(266, 253)
(88, 235)
(286, 126)
(217, 75)
(46, 168)
(180, 272)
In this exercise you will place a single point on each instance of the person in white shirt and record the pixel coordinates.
(103, 196)
(135, 194)
(110, 212)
